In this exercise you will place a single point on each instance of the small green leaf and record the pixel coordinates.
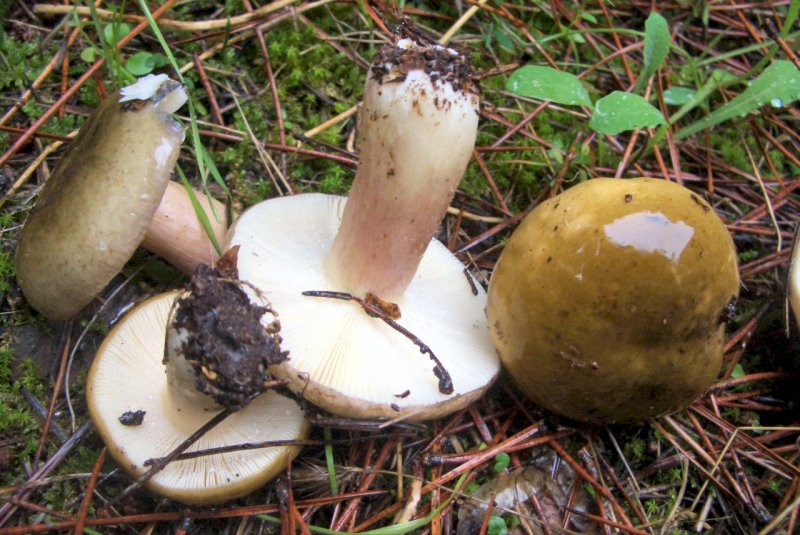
(778, 85)
(791, 18)
(140, 63)
(503, 39)
(497, 526)
(588, 16)
(678, 96)
(622, 111)
(737, 372)
(549, 84)
(89, 54)
(656, 48)
(501, 462)
(115, 31)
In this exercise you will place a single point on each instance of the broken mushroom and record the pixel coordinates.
(429, 353)
(144, 409)
(609, 302)
(110, 191)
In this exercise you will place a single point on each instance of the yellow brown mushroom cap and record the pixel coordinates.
(95, 208)
(608, 302)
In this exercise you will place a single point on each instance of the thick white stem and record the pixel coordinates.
(418, 125)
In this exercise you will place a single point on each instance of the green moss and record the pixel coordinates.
(16, 418)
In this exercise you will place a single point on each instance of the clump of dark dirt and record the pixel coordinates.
(442, 65)
(227, 345)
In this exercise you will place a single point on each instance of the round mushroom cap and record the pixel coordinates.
(96, 206)
(128, 376)
(608, 303)
(341, 358)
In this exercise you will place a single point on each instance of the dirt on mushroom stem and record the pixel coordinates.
(227, 344)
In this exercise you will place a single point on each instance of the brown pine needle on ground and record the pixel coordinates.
(275, 87)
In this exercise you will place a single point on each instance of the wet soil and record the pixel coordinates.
(228, 344)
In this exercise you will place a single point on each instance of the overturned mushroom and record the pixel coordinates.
(216, 358)
(431, 353)
(609, 302)
(105, 197)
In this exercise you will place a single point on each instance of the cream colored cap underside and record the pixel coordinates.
(283, 243)
(128, 375)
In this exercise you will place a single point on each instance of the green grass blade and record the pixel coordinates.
(656, 48)
(198, 210)
(791, 17)
(778, 85)
(329, 461)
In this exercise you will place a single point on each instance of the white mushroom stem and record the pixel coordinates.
(176, 234)
(418, 125)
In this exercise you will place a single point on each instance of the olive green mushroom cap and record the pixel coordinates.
(95, 208)
(608, 303)
(127, 379)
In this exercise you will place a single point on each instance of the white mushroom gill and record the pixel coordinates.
(128, 375)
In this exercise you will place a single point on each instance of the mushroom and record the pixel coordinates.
(105, 198)
(793, 283)
(143, 409)
(417, 127)
(609, 302)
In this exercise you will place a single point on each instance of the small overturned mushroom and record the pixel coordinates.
(105, 197)
(128, 377)
(608, 304)
(418, 125)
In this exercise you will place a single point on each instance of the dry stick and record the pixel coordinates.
(313, 153)
(521, 124)
(24, 138)
(40, 78)
(609, 523)
(581, 471)
(522, 27)
(8, 509)
(488, 515)
(246, 446)
(62, 367)
(163, 461)
(492, 185)
(765, 155)
(441, 373)
(87, 498)
(41, 412)
(212, 99)
(682, 451)
(189, 26)
(755, 443)
(276, 102)
(172, 516)
(765, 193)
(39, 135)
(245, 34)
(365, 483)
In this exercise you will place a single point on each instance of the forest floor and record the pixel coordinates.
(274, 88)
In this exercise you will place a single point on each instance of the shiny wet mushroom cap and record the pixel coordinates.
(104, 198)
(609, 302)
(141, 414)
